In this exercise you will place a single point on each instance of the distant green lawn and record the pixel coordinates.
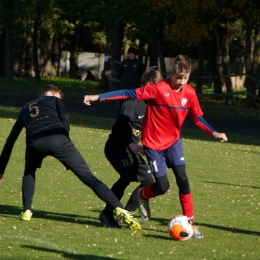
(224, 179)
(26, 87)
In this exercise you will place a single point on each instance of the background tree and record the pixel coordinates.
(108, 16)
(7, 7)
(2, 50)
(216, 31)
(252, 61)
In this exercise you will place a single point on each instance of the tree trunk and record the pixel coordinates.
(213, 63)
(153, 50)
(160, 45)
(45, 52)
(2, 52)
(18, 53)
(141, 50)
(250, 101)
(118, 35)
(73, 57)
(56, 52)
(7, 13)
(200, 68)
(225, 43)
(105, 82)
(36, 28)
(28, 66)
(256, 58)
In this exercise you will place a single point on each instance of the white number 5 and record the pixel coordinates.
(36, 112)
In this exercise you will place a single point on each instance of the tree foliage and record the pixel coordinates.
(150, 25)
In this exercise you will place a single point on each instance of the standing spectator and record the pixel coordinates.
(131, 70)
(47, 134)
(169, 102)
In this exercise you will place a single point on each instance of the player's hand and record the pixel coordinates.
(221, 136)
(1, 176)
(88, 98)
(138, 149)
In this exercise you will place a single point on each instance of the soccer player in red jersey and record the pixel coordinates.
(124, 153)
(169, 102)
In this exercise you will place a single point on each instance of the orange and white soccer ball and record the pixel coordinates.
(180, 228)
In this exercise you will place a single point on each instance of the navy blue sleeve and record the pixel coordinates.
(119, 94)
(201, 123)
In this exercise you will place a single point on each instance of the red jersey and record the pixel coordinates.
(166, 112)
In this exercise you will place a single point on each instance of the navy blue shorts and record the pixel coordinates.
(169, 157)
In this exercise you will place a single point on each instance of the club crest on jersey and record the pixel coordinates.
(184, 101)
(166, 94)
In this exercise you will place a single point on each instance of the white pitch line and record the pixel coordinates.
(37, 240)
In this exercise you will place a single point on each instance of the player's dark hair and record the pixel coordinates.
(151, 75)
(181, 65)
(52, 88)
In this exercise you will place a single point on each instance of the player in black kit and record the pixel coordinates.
(47, 134)
(123, 151)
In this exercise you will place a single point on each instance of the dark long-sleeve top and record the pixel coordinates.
(127, 127)
(41, 117)
(130, 73)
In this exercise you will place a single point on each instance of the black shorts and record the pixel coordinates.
(58, 146)
(125, 161)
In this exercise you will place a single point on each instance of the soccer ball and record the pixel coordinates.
(180, 228)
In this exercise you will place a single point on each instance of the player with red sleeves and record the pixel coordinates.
(169, 102)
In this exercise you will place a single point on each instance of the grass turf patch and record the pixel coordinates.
(65, 225)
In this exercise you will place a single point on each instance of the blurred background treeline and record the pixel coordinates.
(222, 38)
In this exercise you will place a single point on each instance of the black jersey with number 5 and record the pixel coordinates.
(44, 114)
(41, 117)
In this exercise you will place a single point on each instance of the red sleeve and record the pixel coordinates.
(147, 92)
